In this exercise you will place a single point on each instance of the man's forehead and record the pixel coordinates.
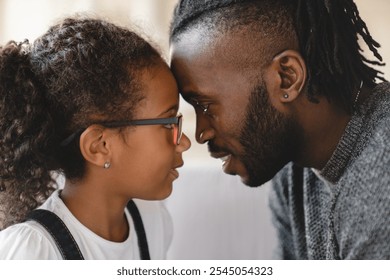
(194, 41)
(237, 48)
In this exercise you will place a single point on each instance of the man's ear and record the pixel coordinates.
(93, 145)
(285, 77)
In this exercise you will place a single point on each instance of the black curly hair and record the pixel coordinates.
(327, 32)
(81, 70)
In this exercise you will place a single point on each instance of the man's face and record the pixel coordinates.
(233, 115)
(269, 138)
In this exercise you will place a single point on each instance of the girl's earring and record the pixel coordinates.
(285, 96)
(106, 165)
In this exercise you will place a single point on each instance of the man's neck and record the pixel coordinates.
(323, 125)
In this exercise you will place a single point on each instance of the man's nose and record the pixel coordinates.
(204, 131)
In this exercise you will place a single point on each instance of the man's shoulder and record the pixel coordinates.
(285, 174)
(367, 178)
(375, 155)
(288, 180)
(373, 146)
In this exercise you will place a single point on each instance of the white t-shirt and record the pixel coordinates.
(29, 240)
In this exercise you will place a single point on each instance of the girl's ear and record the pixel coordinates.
(285, 77)
(93, 145)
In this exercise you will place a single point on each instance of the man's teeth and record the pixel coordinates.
(225, 158)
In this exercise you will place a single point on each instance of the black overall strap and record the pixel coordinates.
(139, 228)
(65, 241)
(60, 233)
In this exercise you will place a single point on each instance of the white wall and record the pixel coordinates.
(376, 15)
(217, 217)
(21, 19)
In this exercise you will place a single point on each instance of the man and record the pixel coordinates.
(282, 91)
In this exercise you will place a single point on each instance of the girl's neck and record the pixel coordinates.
(97, 210)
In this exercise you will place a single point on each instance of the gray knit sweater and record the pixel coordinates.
(342, 211)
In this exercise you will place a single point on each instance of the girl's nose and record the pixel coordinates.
(185, 143)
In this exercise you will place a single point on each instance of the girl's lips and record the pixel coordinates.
(175, 173)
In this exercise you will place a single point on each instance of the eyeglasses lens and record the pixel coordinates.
(178, 131)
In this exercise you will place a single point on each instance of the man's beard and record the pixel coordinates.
(270, 139)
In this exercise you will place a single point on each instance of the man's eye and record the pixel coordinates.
(203, 107)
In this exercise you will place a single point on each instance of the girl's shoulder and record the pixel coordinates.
(27, 241)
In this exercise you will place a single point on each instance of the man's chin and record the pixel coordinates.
(250, 180)
(256, 179)
(253, 183)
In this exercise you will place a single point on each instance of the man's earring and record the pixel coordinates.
(285, 96)
(106, 165)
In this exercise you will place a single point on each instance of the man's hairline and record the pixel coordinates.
(260, 57)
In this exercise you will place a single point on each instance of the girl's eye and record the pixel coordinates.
(169, 126)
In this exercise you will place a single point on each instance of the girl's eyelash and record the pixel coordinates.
(169, 126)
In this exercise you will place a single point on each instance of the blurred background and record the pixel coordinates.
(215, 216)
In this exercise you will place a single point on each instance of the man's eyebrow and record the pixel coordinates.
(192, 95)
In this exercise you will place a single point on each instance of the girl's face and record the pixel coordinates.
(146, 158)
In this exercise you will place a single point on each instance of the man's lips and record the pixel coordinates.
(224, 157)
(225, 161)
(219, 155)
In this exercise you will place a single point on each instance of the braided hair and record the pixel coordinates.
(81, 70)
(327, 32)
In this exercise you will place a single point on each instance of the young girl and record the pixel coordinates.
(98, 104)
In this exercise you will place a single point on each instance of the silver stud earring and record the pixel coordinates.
(285, 96)
(106, 165)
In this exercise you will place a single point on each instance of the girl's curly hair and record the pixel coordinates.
(80, 70)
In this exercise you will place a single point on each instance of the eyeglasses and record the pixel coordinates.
(176, 123)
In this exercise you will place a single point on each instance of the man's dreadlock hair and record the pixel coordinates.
(327, 32)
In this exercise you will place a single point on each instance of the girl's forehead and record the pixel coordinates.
(160, 92)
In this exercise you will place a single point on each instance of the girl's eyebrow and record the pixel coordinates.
(172, 109)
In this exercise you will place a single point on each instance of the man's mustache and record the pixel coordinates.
(213, 148)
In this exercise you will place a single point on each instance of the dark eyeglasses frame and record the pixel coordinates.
(177, 121)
